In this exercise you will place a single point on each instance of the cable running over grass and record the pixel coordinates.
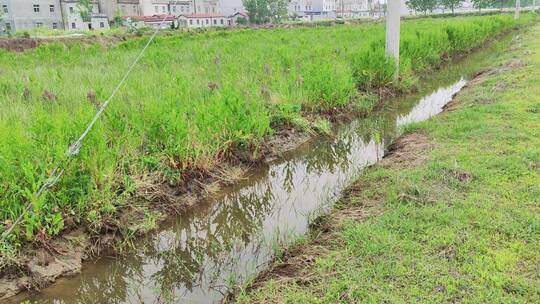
(74, 148)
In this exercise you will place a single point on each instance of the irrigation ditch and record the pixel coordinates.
(242, 212)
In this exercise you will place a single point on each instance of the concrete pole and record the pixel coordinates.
(518, 7)
(393, 25)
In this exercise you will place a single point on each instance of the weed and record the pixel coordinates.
(191, 97)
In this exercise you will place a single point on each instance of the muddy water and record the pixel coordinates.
(231, 236)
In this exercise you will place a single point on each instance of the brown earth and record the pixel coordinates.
(44, 261)
(23, 44)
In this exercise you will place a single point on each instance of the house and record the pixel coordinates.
(234, 18)
(303, 8)
(155, 21)
(182, 7)
(113, 8)
(20, 15)
(207, 6)
(154, 7)
(74, 21)
(204, 20)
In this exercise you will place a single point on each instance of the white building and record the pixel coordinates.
(50, 14)
(113, 8)
(204, 20)
(354, 8)
(182, 7)
(74, 21)
(156, 21)
(154, 7)
(28, 14)
(328, 9)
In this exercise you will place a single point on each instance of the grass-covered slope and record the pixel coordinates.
(193, 98)
(453, 215)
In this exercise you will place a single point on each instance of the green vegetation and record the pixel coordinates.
(456, 223)
(264, 11)
(428, 6)
(193, 99)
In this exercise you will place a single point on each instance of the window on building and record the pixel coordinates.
(71, 9)
(222, 22)
(102, 24)
(191, 22)
(8, 27)
(156, 9)
(198, 22)
(39, 24)
(207, 21)
(215, 22)
(163, 9)
(123, 9)
(54, 25)
(36, 8)
(174, 9)
(5, 9)
(73, 25)
(51, 8)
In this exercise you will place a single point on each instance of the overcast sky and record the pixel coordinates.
(229, 6)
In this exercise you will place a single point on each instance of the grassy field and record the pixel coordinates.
(193, 99)
(456, 220)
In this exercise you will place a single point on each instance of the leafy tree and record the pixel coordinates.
(256, 10)
(264, 11)
(85, 8)
(450, 4)
(277, 9)
(480, 4)
(241, 21)
(423, 6)
(503, 3)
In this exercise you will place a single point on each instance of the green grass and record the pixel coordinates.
(193, 97)
(462, 226)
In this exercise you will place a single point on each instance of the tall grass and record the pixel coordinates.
(192, 97)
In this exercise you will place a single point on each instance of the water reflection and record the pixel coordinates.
(228, 238)
(432, 104)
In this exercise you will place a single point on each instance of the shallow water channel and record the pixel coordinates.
(232, 236)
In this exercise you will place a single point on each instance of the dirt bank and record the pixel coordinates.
(23, 44)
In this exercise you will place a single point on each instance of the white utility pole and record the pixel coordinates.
(393, 27)
(518, 7)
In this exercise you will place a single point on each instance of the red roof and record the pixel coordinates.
(204, 16)
(154, 18)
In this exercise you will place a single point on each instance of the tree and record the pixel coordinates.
(503, 3)
(450, 4)
(423, 6)
(277, 9)
(264, 11)
(85, 8)
(480, 4)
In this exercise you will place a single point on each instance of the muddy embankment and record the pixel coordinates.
(23, 44)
